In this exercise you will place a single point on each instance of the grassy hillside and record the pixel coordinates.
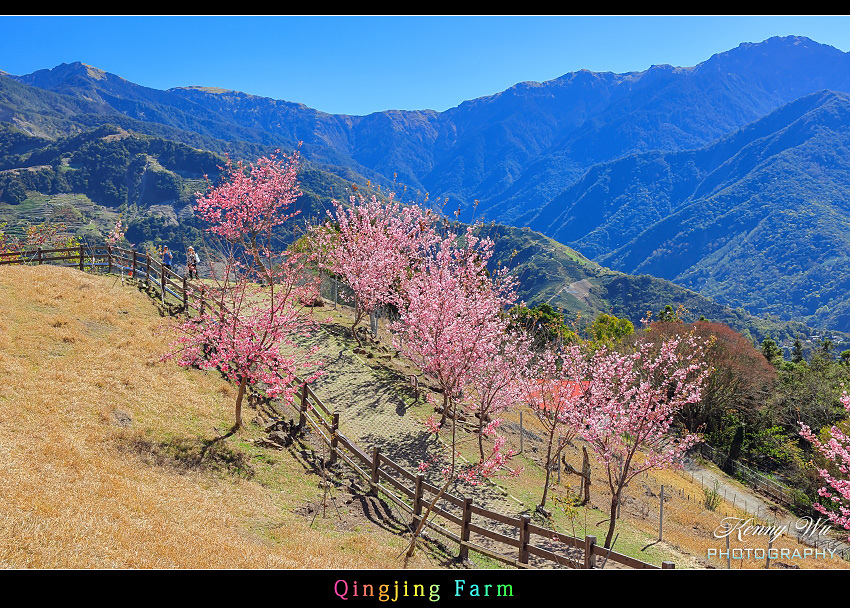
(100, 444)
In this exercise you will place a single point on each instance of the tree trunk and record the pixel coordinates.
(354, 330)
(615, 502)
(445, 408)
(242, 384)
(481, 436)
(548, 467)
(585, 472)
(451, 477)
(358, 314)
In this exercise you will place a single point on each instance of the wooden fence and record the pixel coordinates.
(407, 490)
(134, 264)
(399, 484)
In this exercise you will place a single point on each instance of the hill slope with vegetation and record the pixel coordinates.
(88, 181)
(102, 445)
(758, 219)
(555, 274)
(104, 469)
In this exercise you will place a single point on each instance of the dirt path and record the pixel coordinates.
(762, 508)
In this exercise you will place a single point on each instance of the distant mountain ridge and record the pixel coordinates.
(759, 219)
(511, 151)
(728, 177)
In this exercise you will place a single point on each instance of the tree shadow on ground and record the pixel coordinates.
(184, 454)
(411, 449)
(407, 449)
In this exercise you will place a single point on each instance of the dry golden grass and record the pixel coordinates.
(79, 354)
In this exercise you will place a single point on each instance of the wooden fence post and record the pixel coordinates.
(414, 380)
(81, 257)
(147, 270)
(524, 535)
(39, 255)
(162, 271)
(109, 259)
(661, 516)
(417, 492)
(135, 262)
(185, 297)
(589, 557)
(464, 530)
(376, 463)
(302, 419)
(728, 556)
(334, 438)
(668, 566)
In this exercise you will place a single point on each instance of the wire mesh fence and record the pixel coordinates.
(748, 475)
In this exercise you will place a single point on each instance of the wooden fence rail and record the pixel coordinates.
(407, 490)
(411, 492)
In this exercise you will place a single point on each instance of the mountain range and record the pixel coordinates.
(728, 177)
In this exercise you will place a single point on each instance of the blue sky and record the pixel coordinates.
(362, 64)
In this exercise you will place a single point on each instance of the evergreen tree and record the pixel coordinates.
(771, 352)
(797, 352)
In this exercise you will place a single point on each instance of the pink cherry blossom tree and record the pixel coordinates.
(117, 233)
(450, 326)
(371, 244)
(837, 489)
(632, 400)
(497, 385)
(259, 288)
(558, 391)
(449, 320)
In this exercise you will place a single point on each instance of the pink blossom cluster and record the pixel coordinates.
(497, 383)
(372, 244)
(250, 338)
(449, 304)
(836, 450)
(452, 328)
(489, 467)
(117, 233)
(632, 400)
(252, 199)
(621, 404)
(449, 322)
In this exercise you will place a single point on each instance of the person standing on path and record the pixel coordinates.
(192, 261)
(166, 257)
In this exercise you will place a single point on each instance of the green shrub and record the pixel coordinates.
(712, 497)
